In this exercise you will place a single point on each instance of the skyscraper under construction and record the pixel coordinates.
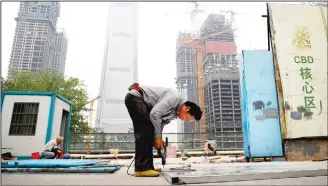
(184, 57)
(221, 83)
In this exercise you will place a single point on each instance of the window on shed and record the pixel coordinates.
(24, 119)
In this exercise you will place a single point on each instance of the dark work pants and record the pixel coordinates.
(143, 132)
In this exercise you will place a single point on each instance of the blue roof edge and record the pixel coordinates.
(37, 94)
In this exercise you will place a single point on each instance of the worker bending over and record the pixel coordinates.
(52, 149)
(151, 108)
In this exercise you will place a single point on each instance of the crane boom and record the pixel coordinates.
(94, 99)
(202, 125)
(211, 35)
(198, 67)
(91, 109)
(90, 122)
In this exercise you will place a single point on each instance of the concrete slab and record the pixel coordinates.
(215, 173)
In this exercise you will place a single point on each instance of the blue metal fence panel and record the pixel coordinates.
(50, 163)
(243, 107)
(260, 105)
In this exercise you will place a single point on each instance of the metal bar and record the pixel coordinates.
(131, 154)
(172, 180)
(268, 29)
(63, 170)
(102, 142)
(52, 163)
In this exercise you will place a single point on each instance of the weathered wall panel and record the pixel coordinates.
(299, 34)
(306, 149)
(261, 122)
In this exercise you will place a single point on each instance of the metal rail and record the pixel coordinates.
(101, 143)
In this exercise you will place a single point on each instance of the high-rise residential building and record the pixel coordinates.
(221, 83)
(34, 44)
(119, 68)
(60, 47)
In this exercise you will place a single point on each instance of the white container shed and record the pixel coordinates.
(31, 119)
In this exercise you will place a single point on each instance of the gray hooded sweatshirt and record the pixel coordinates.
(164, 104)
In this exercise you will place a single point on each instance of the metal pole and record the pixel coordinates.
(266, 16)
(192, 141)
(268, 26)
(103, 141)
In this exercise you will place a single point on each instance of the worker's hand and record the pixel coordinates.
(60, 154)
(158, 143)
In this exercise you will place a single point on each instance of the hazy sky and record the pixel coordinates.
(159, 24)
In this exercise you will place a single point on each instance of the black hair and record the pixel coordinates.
(194, 110)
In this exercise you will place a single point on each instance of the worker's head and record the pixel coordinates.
(59, 140)
(189, 111)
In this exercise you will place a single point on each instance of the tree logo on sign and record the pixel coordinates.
(302, 38)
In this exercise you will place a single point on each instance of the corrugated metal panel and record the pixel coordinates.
(300, 48)
(219, 47)
(261, 122)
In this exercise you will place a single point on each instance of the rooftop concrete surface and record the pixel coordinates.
(120, 177)
(320, 180)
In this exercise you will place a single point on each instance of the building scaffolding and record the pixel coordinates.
(221, 83)
(208, 64)
(183, 61)
(184, 56)
(217, 23)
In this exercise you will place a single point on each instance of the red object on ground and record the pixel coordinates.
(35, 156)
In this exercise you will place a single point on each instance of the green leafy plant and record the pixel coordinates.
(70, 88)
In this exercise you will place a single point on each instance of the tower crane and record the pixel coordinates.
(90, 122)
(92, 101)
(193, 30)
(199, 56)
(199, 66)
(232, 16)
(194, 14)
